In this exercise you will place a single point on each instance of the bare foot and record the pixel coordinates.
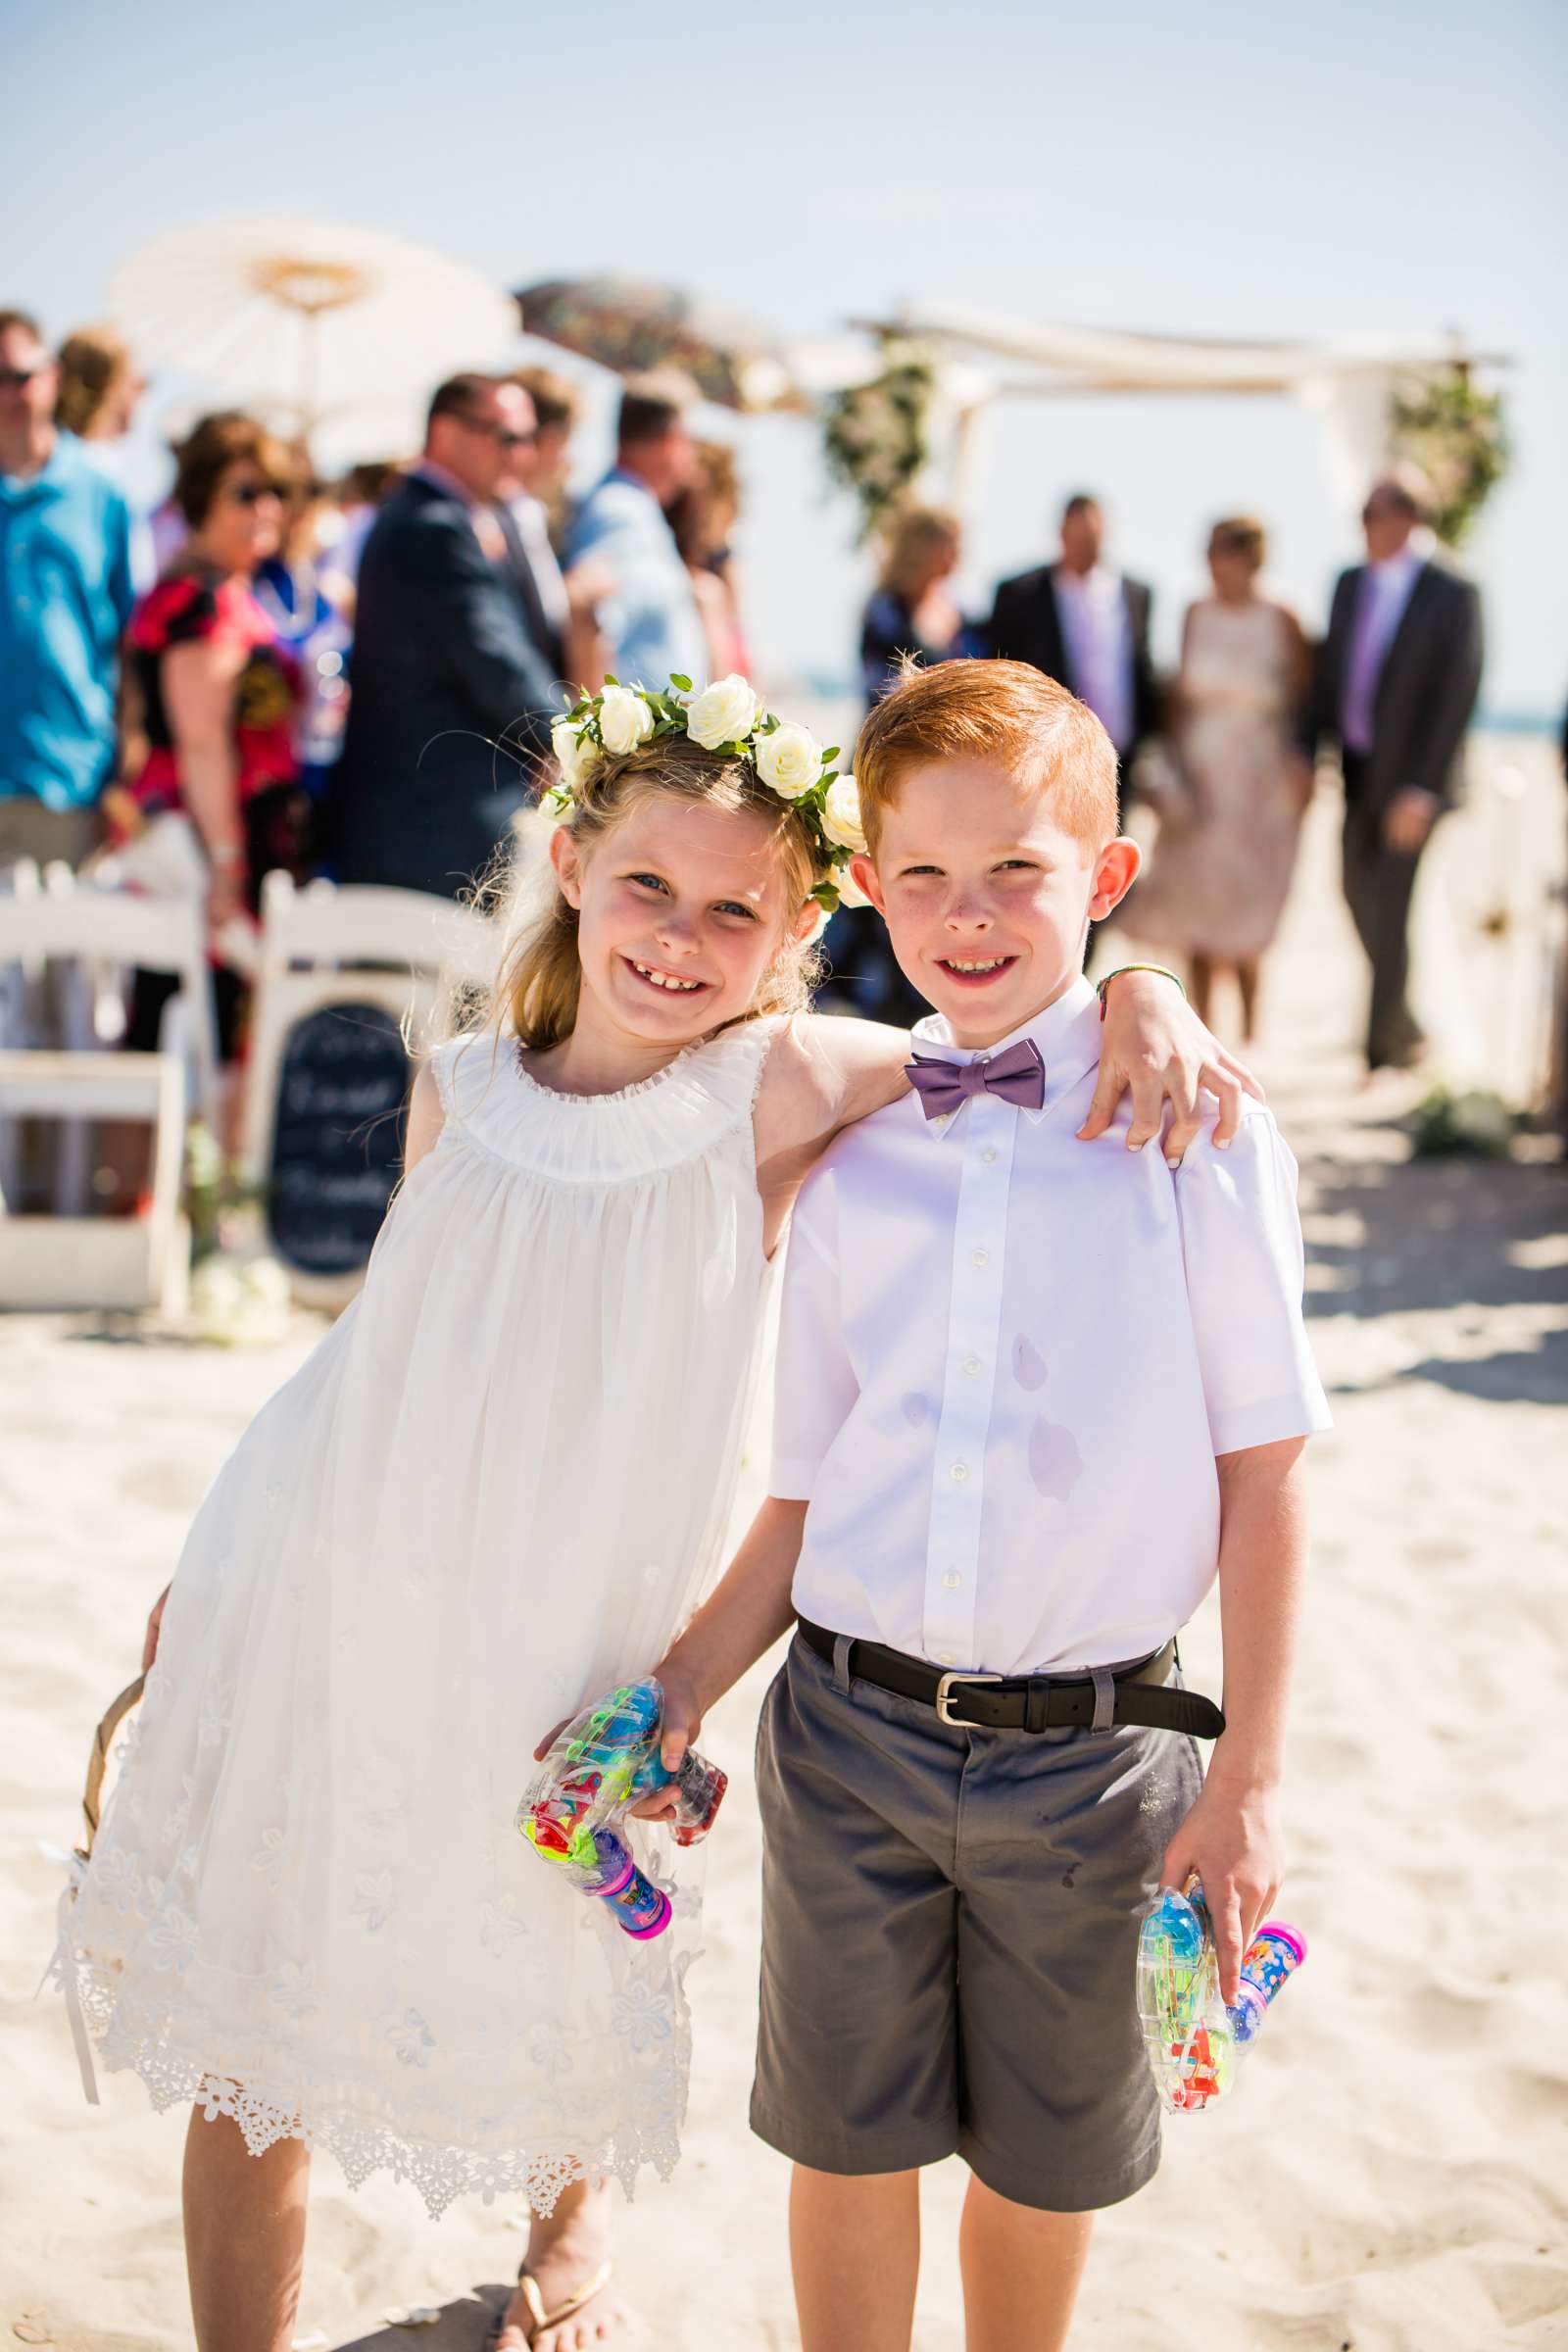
(564, 2254)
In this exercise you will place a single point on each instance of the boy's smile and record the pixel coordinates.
(987, 897)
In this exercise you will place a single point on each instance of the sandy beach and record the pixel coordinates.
(1393, 2174)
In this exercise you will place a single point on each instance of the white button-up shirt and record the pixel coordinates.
(1007, 1360)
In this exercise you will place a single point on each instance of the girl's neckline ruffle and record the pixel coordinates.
(620, 1094)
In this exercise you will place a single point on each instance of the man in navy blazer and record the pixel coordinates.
(454, 670)
(1397, 683)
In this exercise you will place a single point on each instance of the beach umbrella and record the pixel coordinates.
(632, 324)
(311, 322)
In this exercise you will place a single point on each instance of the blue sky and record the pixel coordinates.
(1218, 168)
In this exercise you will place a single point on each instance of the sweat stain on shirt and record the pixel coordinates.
(1055, 1463)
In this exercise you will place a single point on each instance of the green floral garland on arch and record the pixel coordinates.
(1459, 439)
(876, 436)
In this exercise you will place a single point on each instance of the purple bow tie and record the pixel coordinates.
(1018, 1076)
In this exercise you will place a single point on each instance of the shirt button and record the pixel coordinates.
(971, 1364)
(959, 1473)
(989, 1154)
(953, 1579)
(979, 1257)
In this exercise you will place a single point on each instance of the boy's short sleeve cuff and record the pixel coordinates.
(1269, 1423)
(792, 1480)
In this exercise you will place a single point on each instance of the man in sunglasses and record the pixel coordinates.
(1398, 680)
(454, 689)
(64, 598)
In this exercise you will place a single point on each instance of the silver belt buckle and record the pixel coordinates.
(944, 1695)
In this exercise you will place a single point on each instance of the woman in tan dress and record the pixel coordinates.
(1221, 869)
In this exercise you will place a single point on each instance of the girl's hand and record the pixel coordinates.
(1155, 1043)
(149, 1647)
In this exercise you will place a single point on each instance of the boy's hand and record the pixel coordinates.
(683, 1720)
(1231, 1837)
(1155, 1043)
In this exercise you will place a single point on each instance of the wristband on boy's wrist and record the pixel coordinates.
(1102, 985)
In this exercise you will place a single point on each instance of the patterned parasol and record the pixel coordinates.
(631, 325)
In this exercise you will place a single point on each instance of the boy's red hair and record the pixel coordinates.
(1004, 711)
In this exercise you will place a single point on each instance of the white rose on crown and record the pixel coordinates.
(724, 713)
(841, 816)
(624, 719)
(577, 755)
(789, 759)
(849, 892)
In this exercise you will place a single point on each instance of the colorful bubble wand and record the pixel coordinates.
(1194, 2043)
(602, 1764)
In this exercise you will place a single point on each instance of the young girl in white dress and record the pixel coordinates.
(495, 1488)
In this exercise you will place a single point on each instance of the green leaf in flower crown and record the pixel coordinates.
(827, 896)
(610, 681)
(831, 753)
(684, 684)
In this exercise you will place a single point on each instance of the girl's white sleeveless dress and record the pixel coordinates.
(496, 1489)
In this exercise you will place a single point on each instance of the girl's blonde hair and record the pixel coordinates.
(537, 988)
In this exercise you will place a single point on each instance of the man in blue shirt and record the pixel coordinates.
(650, 617)
(65, 599)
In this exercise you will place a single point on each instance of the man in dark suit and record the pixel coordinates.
(1397, 681)
(1087, 628)
(454, 659)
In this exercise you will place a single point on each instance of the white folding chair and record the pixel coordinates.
(400, 950)
(80, 1260)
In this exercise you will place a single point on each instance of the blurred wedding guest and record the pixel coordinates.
(1397, 679)
(1087, 626)
(99, 391)
(542, 512)
(1239, 781)
(100, 385)
(451, 693)
(703, 515)
(913, 610)
(210, 701)
(295, 588)
(558, 412)
(361, 495)
(649, 618)
(66, 594)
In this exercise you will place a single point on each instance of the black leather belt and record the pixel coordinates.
(1028, 1702)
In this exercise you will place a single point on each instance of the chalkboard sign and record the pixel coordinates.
(337, 1144)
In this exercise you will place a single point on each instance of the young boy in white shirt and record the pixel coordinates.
(1026, 1407)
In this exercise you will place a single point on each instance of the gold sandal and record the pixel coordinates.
(538, 2318)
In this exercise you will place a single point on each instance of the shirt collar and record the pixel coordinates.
(1067, 1034)
(1416, 550)
(427, 470)
(59, 469)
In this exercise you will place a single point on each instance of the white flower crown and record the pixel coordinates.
(724, 717)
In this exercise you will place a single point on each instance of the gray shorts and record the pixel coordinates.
(950, 1921)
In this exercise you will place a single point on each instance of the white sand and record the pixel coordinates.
(1391, 2176)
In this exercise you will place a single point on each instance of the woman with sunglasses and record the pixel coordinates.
(212, 698)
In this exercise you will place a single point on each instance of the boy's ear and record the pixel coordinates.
(567, 859)
(1114, 875)
(865, 876)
